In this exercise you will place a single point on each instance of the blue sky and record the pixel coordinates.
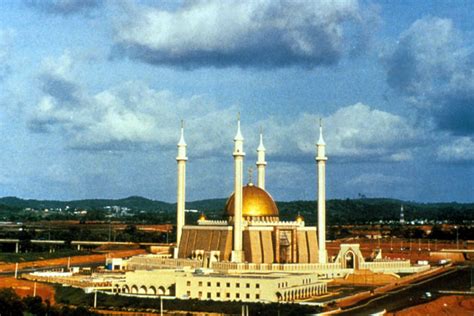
(92, 94)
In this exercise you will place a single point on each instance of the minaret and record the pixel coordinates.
(237, 253)
(402, 216)
(321, 160)
(261, 163)
(181, 192)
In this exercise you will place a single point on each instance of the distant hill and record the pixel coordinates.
(339, 211)
(133, 202)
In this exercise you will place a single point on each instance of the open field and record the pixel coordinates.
(76, 260)
(26, 288)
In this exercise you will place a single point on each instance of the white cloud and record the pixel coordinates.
(133, 114)
(460, 149)
(125, 116)
(353, 132)
(433, 66)
(375, 179)
(258, 33)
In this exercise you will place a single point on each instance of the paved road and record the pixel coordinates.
(414, 294)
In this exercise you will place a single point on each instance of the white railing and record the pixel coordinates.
(275, 267)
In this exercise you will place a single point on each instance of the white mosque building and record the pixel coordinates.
(251, 255)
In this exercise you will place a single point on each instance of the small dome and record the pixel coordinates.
(202, 217)
(299, 218)
(256, 202)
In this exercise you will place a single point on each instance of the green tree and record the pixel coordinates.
(10, 303)
(35, 306)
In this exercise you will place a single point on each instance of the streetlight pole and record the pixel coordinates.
(457, 236)
(161, 305)
(165, 297)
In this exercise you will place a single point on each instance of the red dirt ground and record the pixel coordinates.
(447, 305)
(97, 258)
(25, 288)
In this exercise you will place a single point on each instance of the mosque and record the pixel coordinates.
(252, 232)
(251, 255)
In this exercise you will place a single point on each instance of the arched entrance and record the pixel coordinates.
(349, 260)
(285, 247)
(279, 296)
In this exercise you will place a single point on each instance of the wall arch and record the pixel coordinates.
(125, 289)
(161, 290)
(349, 260)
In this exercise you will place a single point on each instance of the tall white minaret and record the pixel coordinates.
(237, 252)
(402, 215)
(181, 192)
(261, 163)
(321, 160)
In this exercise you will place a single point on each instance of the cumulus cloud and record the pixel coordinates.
(256, 33)
(121, 117)
(459, 150)
(133, 114)
(352, 132)
(65, 7)
(433, 66)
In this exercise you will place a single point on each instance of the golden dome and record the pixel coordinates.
(256, 203)
(202, 217)
(299, 218)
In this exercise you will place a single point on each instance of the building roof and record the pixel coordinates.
(256, 203)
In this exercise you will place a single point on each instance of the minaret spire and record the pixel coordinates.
(238, 135)
(321, 162)
(237, 252)
(181, 190)
(261, 163)
(321, 139)
(181, 139)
